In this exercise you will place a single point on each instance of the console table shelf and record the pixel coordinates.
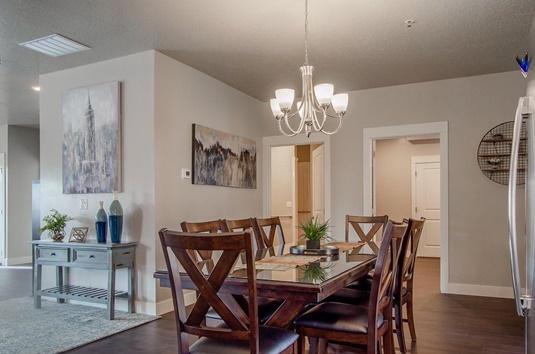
(89, 255)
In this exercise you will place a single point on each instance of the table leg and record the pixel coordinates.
(131, 288)
(37, 285)
(60, 282)
(111, 292)
(285, 314)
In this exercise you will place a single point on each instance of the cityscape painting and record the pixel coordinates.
(222, 159)
(92, 139)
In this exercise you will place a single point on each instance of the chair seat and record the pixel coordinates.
(272, 340)
(350, 296)
(337, 316)
(364, 283)
(266, 308)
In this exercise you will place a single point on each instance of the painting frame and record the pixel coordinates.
(91, 150)
(222, 159)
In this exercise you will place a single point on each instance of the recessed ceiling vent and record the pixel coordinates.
(55, 45)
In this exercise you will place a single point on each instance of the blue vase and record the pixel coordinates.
(116, 219)
(101, 224)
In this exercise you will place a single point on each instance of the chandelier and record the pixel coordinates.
(312, 109)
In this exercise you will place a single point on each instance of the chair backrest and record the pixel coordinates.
(273, 226)
(384, 276)
(240, 324)
(214, 226)
(415, 234)
(245, 225)
(359, 223)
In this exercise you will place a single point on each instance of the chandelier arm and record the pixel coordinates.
(301, 123)
(334, 131)
(282, 131)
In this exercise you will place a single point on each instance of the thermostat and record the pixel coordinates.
(186, 173)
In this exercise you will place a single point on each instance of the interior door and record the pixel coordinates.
(426, 202)
(318, 205)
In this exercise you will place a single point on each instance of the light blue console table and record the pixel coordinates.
(89, 255)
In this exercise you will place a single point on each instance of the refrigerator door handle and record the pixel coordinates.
(513, 247)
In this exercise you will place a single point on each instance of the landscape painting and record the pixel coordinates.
(222, 159)
(92, 139)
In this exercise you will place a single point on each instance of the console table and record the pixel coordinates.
(89, 255)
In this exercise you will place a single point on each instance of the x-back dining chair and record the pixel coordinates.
(360, 223)
(403, 289)
(242, 332)
(213, 226)
(362, 326)
(273, 227)
(245, 225)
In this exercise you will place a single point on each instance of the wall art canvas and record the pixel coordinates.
(92, 139)
(222, 159)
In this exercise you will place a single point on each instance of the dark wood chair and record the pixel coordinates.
(351, 326)
(403, 288)
(273, 227)
(241, 333)
(360, 223)
(214, 226)
(245, 225)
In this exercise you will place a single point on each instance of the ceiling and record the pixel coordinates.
(257, 46)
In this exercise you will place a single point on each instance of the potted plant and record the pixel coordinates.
(55, 224)
(314, 232)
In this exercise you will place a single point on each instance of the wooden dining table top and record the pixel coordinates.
(284, 276)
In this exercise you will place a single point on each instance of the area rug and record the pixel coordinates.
(57, 327)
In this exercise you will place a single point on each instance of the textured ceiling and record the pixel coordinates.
(257, 46)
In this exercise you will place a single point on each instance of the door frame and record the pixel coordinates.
(392, 132)
(281, 140)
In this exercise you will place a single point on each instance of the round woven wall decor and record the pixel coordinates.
(494, 153)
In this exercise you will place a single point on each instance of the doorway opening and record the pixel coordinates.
(296, 180)
(371, 205)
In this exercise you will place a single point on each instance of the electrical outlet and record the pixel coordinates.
(288, 204)
(83, 204)
(186, 174)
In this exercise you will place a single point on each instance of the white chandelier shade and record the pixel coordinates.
(312, 110)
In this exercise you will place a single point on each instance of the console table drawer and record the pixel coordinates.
(52, 254)
(90, 256)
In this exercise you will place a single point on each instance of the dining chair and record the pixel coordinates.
(272, 226)
(360, 223)
(341, 325)
(403, 287)
(213, 226)
(245, 225)
(241, 332)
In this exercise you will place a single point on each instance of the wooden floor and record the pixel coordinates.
(445, 324)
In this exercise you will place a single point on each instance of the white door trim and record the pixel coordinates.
(380, 133)
(300, 139)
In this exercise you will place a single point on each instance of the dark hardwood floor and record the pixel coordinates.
(445, 324)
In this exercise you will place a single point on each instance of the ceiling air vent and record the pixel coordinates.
(54, 45)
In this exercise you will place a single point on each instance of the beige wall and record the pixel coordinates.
(393, 175)
(161, 98)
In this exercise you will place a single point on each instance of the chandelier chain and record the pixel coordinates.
(306, 32)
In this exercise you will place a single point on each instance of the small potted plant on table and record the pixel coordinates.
(55, 224)
(314, 232)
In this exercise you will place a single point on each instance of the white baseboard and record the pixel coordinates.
(167, 305)
(18, 260)
(480, 290)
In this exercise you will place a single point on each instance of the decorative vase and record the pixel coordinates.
(116, 219)
(57, 236)
(101, 223)
(313, 244)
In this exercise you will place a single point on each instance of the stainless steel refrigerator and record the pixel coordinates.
(524, 289)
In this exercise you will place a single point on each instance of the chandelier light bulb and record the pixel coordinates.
(285, 98)
(339, 102)
(324, 93)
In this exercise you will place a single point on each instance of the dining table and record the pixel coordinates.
(296, 279)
